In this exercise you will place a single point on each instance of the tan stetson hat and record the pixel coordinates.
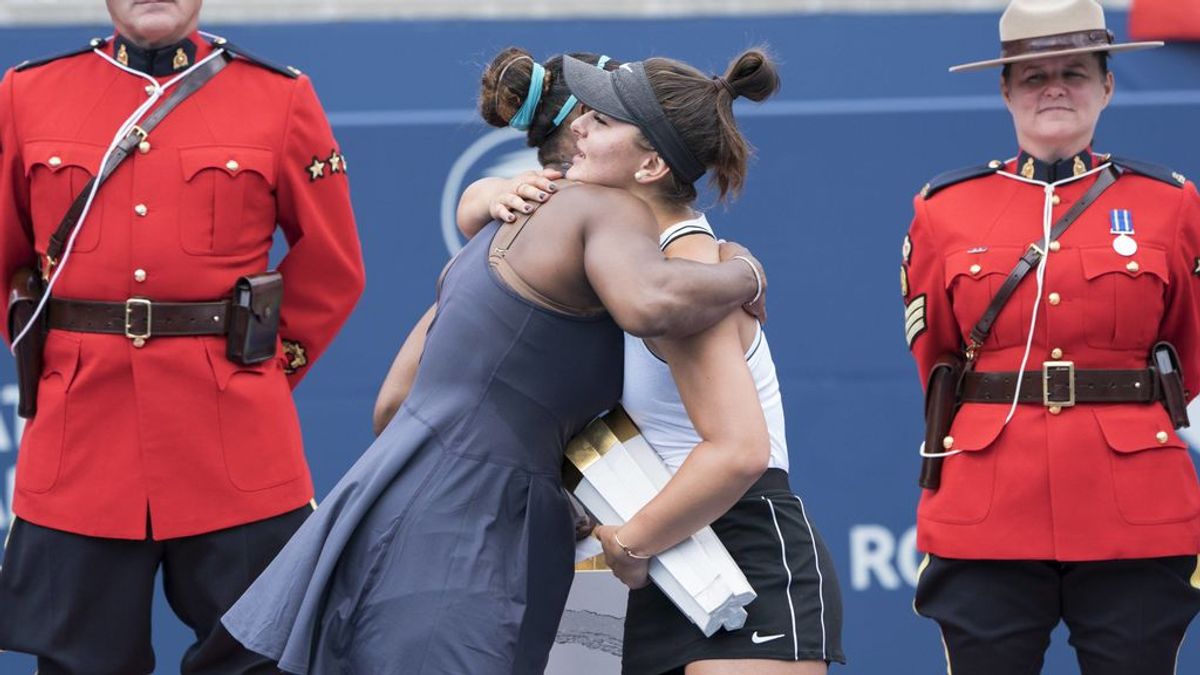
(1037, 29)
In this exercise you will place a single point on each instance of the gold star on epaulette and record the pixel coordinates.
(297, 357)
(1179, 177)
(925, 190)
(335, 161)
(316, 169)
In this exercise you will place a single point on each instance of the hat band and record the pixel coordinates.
(1053, 43)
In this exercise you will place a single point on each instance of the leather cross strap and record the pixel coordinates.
(138, 317)
(185, 88)
(1090, 386)
(1031, 259)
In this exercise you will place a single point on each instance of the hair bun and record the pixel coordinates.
(752, 75)
(504, 85)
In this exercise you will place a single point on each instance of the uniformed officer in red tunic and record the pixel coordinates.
(159, 450)
(1078, 502)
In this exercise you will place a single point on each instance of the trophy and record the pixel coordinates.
(613, 471)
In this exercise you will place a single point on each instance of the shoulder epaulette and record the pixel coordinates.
(96, 43)
(1150, 170)
(956, 176)
(287, 71)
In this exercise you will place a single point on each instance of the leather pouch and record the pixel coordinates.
(254, 318)
(1165, 360)
(25, 292)
(941, 404)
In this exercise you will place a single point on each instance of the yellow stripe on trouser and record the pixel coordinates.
(945, 647)
(920, 569)
(8, 535)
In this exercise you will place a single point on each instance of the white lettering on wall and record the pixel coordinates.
(877, 555)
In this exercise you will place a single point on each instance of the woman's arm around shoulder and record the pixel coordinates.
(399, 379)
(648, 295)
(496, 198)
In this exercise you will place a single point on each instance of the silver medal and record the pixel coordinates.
(1125, 245)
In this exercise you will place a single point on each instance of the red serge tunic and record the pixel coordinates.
(1094, 481)
(173, 429)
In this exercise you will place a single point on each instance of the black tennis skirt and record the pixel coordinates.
(797, 615)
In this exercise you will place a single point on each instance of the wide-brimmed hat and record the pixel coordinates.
(1038, 29)
(626, 94)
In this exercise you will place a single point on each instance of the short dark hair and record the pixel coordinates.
(1101, 58)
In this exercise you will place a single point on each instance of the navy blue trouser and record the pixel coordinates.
(1126, 617)
(82, 604)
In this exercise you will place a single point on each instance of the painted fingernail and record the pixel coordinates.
(543, 196)
(552, 187)
(510, 218)
(527, 208)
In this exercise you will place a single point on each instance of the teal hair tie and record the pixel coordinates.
(569, 105)
(524, 117)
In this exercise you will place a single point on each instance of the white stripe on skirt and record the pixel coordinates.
(783, 553)
(812, 537)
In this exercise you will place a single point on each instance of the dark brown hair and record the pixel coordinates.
(499, 99)
(701, 110)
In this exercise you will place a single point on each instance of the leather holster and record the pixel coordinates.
(1165, 361)
(25, 292)
(941, 404)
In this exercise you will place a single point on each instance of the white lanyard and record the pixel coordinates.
(1040, 276)
(122, 132)
(1047, 223)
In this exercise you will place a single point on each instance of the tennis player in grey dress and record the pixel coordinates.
(448, 547)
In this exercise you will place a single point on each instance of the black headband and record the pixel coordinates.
(626, 94)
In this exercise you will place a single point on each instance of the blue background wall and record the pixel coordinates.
(867, 115)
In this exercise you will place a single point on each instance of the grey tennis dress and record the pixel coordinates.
(448, 548)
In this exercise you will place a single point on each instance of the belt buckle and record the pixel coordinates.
(139, 339)
(1053, 372)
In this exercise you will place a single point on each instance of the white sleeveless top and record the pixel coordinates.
(652, 399)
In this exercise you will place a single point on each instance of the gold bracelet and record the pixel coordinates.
(628, 551)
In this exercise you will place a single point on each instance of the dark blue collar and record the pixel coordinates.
(166, 60)
(1033, 168)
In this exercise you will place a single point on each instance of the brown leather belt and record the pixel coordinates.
(139, 318)
(1060, 384)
